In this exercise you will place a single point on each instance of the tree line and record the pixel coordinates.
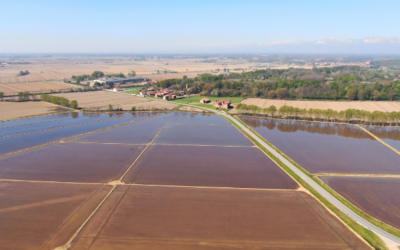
(335, 83)
(23, 73)
(62, 101)
(328, 115)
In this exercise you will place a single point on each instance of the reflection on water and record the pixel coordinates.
(392, 133)
(290, 126)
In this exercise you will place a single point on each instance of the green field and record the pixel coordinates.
(196, 99)
(132, 90)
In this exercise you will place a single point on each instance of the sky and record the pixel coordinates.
(192, 26)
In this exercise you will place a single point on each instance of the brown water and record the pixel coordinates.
(328, 147)
(390, 135)
(243, 167)
(379, 197)
(70, 162)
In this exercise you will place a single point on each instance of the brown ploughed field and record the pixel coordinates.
(218, 135)
(13, 110)
(334, 105)
(326, 147)
(100, 98)
(377, 196)
(70, 162)
(8, 88)
(241, 167)
(44, 215)
(144, 217)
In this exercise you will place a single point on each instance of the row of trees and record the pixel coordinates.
(62, 101)
(329, 115)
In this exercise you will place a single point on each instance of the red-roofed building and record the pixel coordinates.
(225, 104)
(204, 100)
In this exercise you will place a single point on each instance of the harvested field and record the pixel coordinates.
(44, 215)
(14, 88)
(328, 148)
(15, 143)
(190, 218)
(195, 134)
(14, 110)
(135, 133)
(390, 135)
(100, 98)
(334, 105)
(67, 162)
(190, 109)
(378, 197)
(208, 166)
(145, 105)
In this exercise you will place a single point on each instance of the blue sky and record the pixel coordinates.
(199, 26)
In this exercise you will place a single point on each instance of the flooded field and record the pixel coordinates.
(191, 218)
(379, 197)
(390, 135)
(37, 119)
(134, 133)
(70, 162)
(44, 215)
(15, 143)
(190, 118)
(195, 134)
(208, 166)
(327, 147)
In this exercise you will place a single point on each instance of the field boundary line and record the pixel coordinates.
(378, 139)
(67, 245)
(106, 143)
(77, 136)
(196, 145)
(357, 175)
(144, 150)
(210, 187)
(52, 182)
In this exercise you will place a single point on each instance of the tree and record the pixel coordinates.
(97, 74)
(1, 95)
(110, 108)
(256, 91)
(73, 104)
(281, 93)
(133, 108)
(272, 94)
(391, 95)
(351, 94)
(376, 95)
(132, 74)
(272, 109)
(361, 94)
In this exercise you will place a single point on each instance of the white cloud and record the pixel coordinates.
(336, 41)
(380, 39)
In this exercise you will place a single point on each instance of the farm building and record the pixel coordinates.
(225, 104)
(173, 97)
(151, 93)
(204, 100)
(117, 89)
(166, 97)
(121, 80)
(181, 92)
(158, 95)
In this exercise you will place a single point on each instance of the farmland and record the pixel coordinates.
(14, 110)
(335, 148)
(334, 105)
(156, 195)
(390, 135)
(376, 196)
(196, 99)
(14, 88)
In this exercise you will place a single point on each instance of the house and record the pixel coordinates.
(158, 95)
(166, 97)
(204, 100)
(225, 104)
(151, 93)
(181, 92)
(173, 97)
